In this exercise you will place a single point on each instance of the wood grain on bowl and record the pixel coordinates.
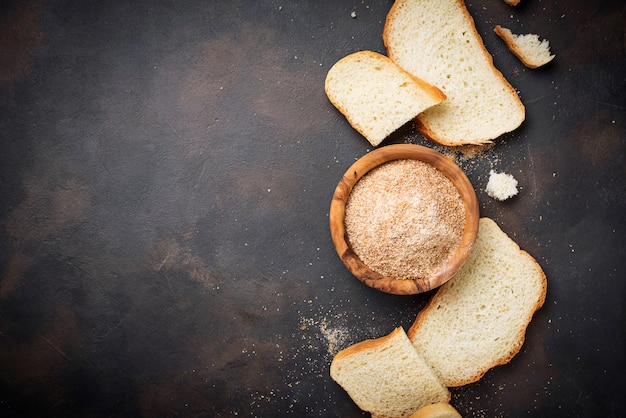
(341, 240)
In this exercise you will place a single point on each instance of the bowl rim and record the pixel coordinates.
(338, 210)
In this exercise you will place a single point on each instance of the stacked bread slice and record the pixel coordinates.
(433, 47)
(474, 322)
(375, 95)
(387, 377)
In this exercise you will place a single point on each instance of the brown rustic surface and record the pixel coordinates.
(166, 170)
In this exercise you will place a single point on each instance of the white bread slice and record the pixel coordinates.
(478, 319)
(375, 95)
(437, 410)
(386, 377)
(436, 40)
(527, 47)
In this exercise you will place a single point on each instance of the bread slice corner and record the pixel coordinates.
(386, 376)
(375, 95)
(530, 50)
(478, 319)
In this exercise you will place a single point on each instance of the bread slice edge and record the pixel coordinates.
(431, 306)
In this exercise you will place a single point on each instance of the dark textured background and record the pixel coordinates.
(166, 169)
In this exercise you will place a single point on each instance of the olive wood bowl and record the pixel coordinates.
(338, 211)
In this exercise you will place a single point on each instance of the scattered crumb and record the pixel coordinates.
(469, 152)
(501, 186)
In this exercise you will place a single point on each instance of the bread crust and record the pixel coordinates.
(432, 91)
(509, 40)
(353, 115)
(370, 344)
(394, 390)
(422, 120)
(432, 306)
(437, 410)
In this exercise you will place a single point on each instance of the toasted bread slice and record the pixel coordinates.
(478, 319)
(436, 40)
(375, 95)
(531, 51)
(386, 377)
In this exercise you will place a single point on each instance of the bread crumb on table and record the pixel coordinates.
(501, 186)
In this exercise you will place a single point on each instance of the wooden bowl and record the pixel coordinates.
(338, 212)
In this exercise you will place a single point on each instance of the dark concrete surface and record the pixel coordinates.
(166, 169)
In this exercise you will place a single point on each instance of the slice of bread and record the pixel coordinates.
(436, 40)
(478, 319)
(375, 95)
(527, 47)
(386, 377)
(437, 410)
